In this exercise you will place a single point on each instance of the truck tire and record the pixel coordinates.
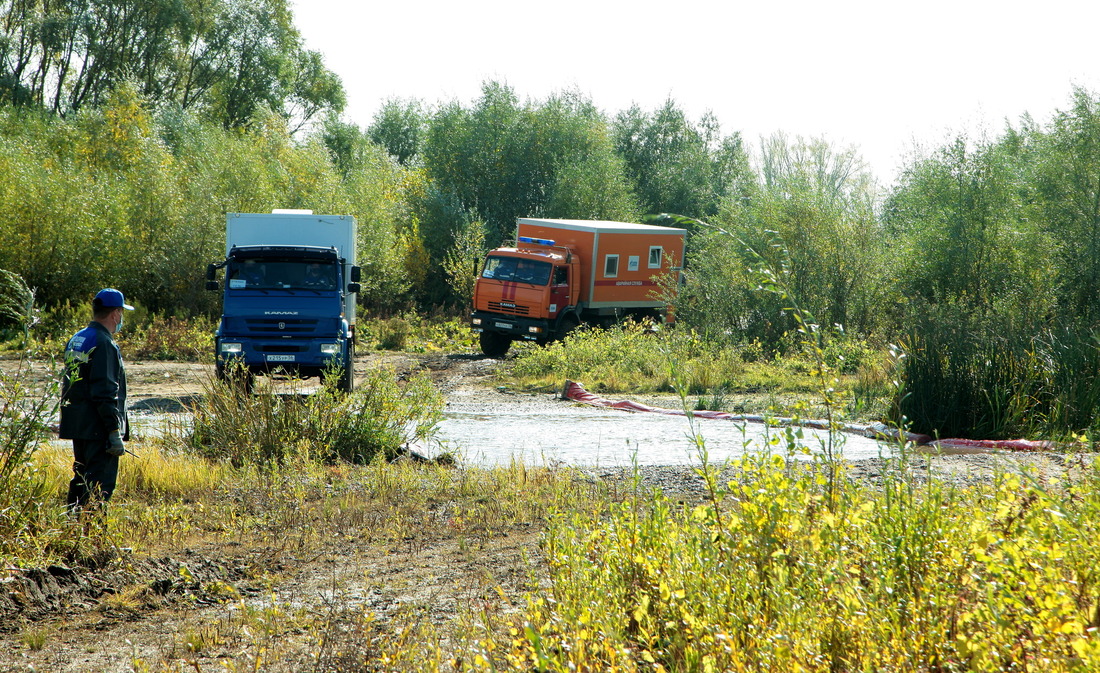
(346, 384)
(568, 324)
(494, 345)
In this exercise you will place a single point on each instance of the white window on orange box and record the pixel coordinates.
(610, 266)
(656, 253)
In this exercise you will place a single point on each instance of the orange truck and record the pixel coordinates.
(562, 273)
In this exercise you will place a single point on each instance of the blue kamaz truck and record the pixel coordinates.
(289, 295)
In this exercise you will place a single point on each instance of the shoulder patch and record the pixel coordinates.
(81, 344)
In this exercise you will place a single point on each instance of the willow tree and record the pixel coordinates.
(1067, 202)
(225, 57)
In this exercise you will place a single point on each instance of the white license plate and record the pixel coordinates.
(280, 358)
(504, 325)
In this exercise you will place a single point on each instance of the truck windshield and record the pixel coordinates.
(282, 274)
(517, 269)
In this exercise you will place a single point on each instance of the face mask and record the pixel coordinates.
(118, 327)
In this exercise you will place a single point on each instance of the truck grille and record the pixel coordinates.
(497, 307)
(281, 326)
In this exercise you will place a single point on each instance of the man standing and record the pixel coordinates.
(93, 401)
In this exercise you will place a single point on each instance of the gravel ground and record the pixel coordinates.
(684, 482)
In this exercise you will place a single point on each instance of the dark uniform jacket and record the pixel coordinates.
(93, 391)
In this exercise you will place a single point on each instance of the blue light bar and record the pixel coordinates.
(536, 241)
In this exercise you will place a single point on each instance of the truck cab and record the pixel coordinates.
(287, 308)
(526, 292)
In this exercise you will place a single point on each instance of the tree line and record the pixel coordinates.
(119, 161)
(133, 190)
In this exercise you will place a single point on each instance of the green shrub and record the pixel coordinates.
(59, 323)
(378, 418)
(172, 338)
(392, 334)
(847, 355)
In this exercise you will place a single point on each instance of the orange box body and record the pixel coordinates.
(632, 282)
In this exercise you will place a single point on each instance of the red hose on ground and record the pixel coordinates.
(576, 392)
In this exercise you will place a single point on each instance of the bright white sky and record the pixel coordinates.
(878, 74)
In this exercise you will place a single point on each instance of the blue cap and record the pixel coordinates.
(111, 298)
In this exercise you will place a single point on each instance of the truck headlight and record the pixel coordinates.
(476, 321)
(330, 349)
(534, 330)
(230, 348)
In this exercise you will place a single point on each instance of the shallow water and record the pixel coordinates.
(494, 430)
(578, 435)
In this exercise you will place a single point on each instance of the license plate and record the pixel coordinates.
(280, 358)
(504, 325)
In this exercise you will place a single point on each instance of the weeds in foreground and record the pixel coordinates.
(28, 529)
(916, 575)
(908, 573)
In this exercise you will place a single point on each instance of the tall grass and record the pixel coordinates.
(997, 378)
(1072, 355)
(630, 358)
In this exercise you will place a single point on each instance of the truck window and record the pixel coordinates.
(561, 275)
(656, 254)
(610, 266)
(249, 273)
(517, 269)
(283, 274)
(318, 276)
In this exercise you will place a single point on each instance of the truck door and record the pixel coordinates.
(560, 296)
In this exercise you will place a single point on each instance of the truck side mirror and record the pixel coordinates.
(354, 288)
(211, 270)
(355, 275)
(211, 285)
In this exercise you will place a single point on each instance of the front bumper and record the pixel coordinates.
(517, 327)
(307, 357)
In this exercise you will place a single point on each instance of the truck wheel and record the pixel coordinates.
(568, 325)
(346, 384)
(494, 345)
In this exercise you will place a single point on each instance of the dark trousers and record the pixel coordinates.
(94, 472)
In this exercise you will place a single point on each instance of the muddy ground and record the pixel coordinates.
(109, 613)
